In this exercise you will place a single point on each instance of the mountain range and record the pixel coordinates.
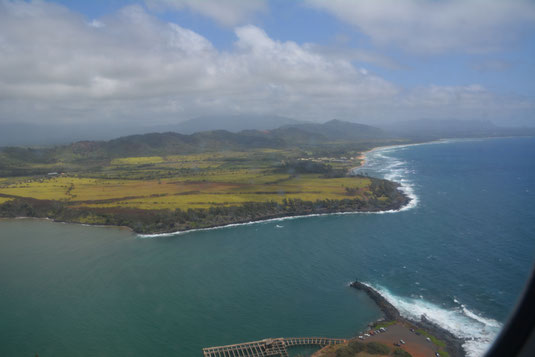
(291, 135)
(294, 135)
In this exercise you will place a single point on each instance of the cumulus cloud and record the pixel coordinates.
(131, 68)
(429, 26)
(354, 54)
(228, 12)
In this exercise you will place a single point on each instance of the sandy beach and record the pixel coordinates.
(363, 155)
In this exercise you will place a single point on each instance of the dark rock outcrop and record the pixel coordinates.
(453, 343)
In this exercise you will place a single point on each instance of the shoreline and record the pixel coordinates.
(454, 344)
(400, 200)
(409, 203)
(274, 219)
(403, 207)
(363, 155)
(52, 220)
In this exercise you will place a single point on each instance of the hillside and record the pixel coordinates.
(288, 136)
(329, 138)
(232, 123)
(337, 130)
(161, 182)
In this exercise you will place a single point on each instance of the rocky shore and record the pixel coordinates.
(386, 196)
(453, 343)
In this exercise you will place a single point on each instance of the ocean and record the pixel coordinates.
(460, 253)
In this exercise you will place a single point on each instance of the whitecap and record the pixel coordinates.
(388, 167)
(478, 331)
(175, 233)
(392, 169)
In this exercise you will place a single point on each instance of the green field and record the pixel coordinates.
(210, 179)
(130, 190)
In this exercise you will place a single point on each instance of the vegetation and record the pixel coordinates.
(398, 352)
(443, 353)
(167, 182)
(4, 199)
(376, 348)
(433, 339)
(160, 220)
(384, 324)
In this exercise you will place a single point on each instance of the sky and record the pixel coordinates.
(159, 62)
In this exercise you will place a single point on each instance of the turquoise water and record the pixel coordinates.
(460, 255)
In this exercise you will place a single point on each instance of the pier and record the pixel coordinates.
(268, 347)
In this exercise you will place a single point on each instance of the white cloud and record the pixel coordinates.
(135, 69)
(354, 54)
(96, 23)
(228, 12)
(430, 26)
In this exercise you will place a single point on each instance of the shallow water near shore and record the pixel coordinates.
(460, 255)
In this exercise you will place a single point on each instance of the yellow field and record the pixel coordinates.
(191, 192)
(44, 189)
(4, 199)
(199, 158)
(137, 160)
(212, 179)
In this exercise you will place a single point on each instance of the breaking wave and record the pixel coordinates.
(478, 331)
(379, 163)
(286, 218)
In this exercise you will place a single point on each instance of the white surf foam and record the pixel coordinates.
(478, 331)
(286, 218)
(388, 167)
(392, 169)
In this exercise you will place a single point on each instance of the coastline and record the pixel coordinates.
(267, 220)
(154, 223)
(363, 155)
(409, 201)
(272, 227)
(454, 345)
(48, 219)
(406, 203)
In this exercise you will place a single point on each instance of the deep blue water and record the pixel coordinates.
(469, 244)
(460, 254)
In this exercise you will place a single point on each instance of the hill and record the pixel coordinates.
(330, 134)
(163, 182)
(31, 134)
(336, 130)
(289, 136)
(232, 123)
